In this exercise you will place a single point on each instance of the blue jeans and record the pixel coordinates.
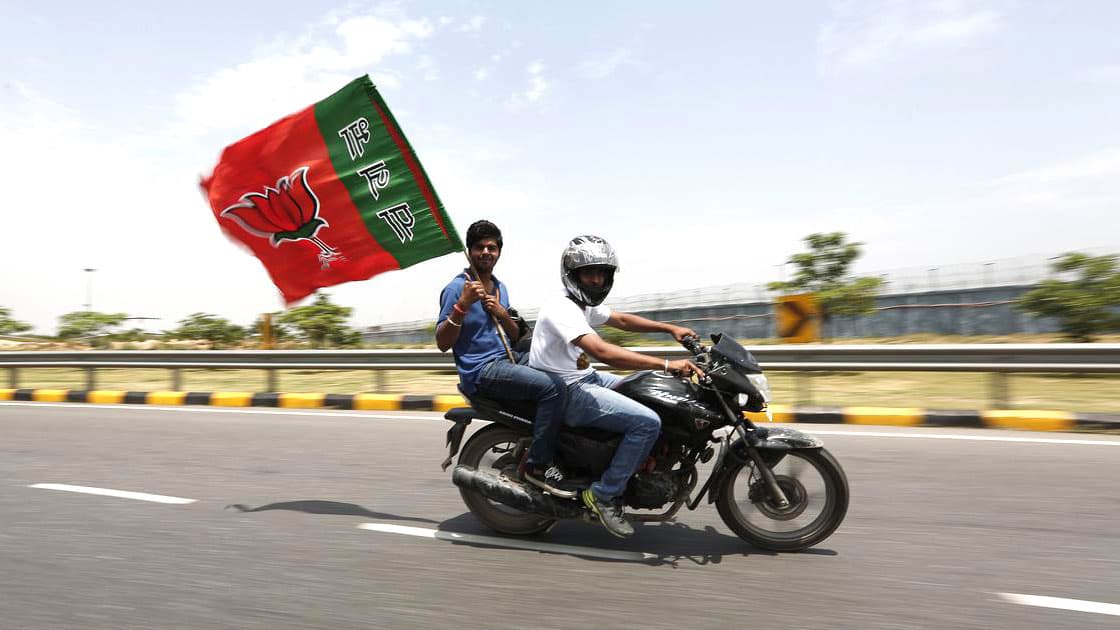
(517, 381)
(592, 403)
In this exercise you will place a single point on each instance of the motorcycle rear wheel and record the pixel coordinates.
(493, 447)
(767, 526)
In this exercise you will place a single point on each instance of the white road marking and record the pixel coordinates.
(956, 436)
(1079, 605)
(513, 543)
(108, 492)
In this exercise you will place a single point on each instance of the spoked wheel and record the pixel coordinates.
(496, 448)
(817, 490)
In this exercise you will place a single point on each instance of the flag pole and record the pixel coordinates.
(497, 324)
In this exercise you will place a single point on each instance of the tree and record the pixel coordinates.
(9, 326)
(88, 324)
(1087, 304)
(823, 270)
(320, 322)
(280, 332)
(212, 328)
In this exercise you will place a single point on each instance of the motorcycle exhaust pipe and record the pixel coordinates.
(515, 495)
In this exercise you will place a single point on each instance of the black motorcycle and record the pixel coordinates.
(777, 488)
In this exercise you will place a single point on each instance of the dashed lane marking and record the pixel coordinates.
(109, 492)
(512, 543)
(1079, 605)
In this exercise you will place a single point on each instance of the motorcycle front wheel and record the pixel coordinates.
(817, 490)
(495, 448)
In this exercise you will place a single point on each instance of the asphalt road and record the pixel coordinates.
(937, 530)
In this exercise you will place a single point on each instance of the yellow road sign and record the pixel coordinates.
(798, 318)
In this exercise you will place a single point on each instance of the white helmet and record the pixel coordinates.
(581, 253)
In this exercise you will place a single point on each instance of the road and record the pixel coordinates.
(277, 533)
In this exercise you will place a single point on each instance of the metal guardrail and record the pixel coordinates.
(998, 360)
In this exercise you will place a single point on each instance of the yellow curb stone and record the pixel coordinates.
(49, 395)
(302, 401)
(377, 402)
(105, 397)
(166, 398)
(1029, 420)
(885, 416)
(231, 399)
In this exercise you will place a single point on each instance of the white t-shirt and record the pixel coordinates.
(559, 322)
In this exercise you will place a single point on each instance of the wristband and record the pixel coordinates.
(452, 322)
(458, 309)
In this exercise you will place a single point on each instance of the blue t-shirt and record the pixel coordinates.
(478, 342)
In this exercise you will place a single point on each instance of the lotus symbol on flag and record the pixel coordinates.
(288, 212)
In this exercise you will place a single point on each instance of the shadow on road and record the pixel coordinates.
(670, 543)
(327, 507)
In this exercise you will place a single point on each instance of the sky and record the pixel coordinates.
(703, 141)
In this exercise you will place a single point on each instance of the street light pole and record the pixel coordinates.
(89, 288)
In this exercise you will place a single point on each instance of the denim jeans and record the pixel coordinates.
(592, 403)
(517, 381)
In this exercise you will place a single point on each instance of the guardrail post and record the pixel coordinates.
(1000, 390)
(13, 377)
(271, 385)
(176, 379)
(805, 388)
(91, 379)
(380, 381)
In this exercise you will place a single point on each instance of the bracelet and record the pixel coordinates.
(452, 322)
(666, 365)
(458, 309)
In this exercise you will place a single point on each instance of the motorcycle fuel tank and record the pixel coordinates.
(675, 399)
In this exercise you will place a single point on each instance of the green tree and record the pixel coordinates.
(212, 328)
(82, 324)
(1086, 304)
(10, 326)
(824, 271)
(320, 322)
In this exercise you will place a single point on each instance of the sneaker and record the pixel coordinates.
(609, 515)
(552, 480)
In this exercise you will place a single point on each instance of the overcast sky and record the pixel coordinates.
(703, 140)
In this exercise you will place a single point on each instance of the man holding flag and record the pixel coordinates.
(470, 309)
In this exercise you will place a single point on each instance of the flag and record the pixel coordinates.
(330, 194)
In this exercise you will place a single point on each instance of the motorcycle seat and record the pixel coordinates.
(527, 410)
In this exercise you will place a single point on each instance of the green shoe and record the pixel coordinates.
(609, 515)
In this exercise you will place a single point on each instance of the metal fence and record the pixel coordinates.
(996, 360)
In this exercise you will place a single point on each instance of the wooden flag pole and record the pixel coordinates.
(497, 324)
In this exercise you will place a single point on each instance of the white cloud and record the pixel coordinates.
(473, 25)
(1100, 74)
(426, 67)
(308, 67)
(867, 33)
(535, 91)
(602, 66)
(481, 74)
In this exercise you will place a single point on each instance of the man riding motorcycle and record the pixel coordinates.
(563, 341)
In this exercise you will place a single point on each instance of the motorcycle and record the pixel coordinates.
(775, 487)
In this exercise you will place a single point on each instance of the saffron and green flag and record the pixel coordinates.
(330, 194)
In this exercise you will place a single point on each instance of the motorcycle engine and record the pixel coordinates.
(651, 490)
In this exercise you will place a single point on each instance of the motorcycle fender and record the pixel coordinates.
(778, 440)
(455, 433)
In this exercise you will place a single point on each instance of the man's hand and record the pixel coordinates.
(491, 304)
(685, 367)
(473, 291)
(680, 332)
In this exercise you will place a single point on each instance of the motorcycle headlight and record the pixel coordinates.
(742, 400)
(761, 384)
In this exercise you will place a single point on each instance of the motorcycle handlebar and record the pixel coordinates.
(692, 344)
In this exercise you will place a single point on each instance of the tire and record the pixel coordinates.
(494, 447)
(759, 522)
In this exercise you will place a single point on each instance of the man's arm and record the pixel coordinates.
(452, 311)
(619, 357)
(636, 323)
